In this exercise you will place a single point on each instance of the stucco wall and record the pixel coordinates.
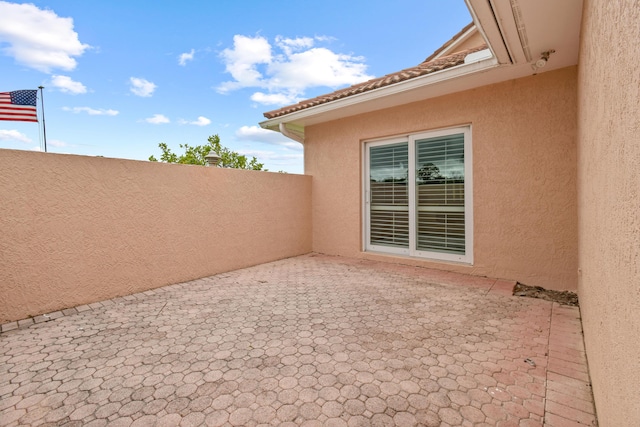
(75, 230)
(524, 176)
(609, 205)
(473, 41)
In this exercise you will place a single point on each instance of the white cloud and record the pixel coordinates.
(38, 38)
(242, 61)
(317, 67)
(67, 85)
(184, 57)
(92, 111)
(201, 121)
(258, 134)
(57, 143)
(157, 119)
(275, 98)
(290, 45)
(142, 87)
(296, 66)
(14, 135)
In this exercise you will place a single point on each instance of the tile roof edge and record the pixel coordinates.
(424, 68)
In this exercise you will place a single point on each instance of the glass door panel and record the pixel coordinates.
(389, 196)
(440, 210)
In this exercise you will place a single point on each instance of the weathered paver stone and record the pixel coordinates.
(307, 341)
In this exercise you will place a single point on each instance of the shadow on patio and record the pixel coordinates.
(311, 340)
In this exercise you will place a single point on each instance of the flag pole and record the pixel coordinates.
(44, 127)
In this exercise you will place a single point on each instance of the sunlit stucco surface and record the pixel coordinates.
(524, 176)
(76, 230)
(609, 205)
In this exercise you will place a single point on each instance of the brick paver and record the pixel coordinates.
(308, 341)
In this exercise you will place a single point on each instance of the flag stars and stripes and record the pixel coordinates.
(19, 105)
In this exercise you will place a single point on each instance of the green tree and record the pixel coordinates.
(429, 172)
(196, 155)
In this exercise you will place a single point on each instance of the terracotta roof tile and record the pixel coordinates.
(426, 67)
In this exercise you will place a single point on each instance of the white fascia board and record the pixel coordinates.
(454, 45)
(385, 91)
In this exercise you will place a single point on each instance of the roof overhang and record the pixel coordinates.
(518, 32)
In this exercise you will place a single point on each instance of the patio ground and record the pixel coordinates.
(312, 340)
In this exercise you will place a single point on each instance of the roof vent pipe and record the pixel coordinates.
(212, 159)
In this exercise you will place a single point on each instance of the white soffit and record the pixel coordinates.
(530, 27)
(515, 31)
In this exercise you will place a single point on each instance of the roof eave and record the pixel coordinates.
(518, 33)
(300, 118)
(450, 45)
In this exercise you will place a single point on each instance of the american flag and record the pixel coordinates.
(19, 105)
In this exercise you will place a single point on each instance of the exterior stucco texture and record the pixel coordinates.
(76, 230)
(524, 176)
(609, 205)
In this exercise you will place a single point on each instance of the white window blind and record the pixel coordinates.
(389, 214)
(440, 194)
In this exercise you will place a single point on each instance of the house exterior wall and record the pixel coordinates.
(609, 205)
(524, 176)
(75, 229)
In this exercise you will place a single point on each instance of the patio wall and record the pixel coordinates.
(76, 229)
(524, 176)
(609, 205)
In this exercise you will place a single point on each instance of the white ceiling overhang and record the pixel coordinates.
(518, 33)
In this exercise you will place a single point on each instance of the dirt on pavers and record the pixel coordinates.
(561, 297)
(304, 341)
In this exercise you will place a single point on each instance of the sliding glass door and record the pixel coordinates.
(389, 195)
(418, 196)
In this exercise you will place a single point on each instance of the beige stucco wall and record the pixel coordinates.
(75, 230)
(609, 205)
(474, 41)
(524, 176)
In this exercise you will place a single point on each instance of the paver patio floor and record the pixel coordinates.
(312, 340)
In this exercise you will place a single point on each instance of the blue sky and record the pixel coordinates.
(121, 76)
